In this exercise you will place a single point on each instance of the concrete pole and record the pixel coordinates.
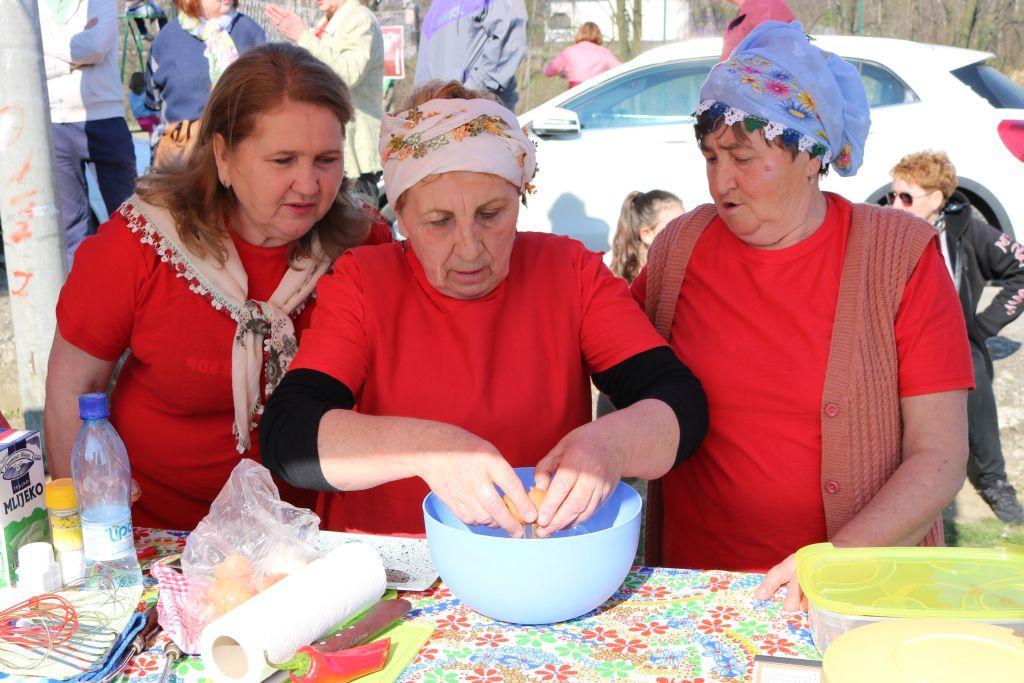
(29, 205)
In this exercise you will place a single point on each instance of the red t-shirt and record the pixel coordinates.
(172, 402)
(511, 367)
(755, 326)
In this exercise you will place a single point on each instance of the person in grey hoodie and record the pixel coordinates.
(479, 43)
(86, 108)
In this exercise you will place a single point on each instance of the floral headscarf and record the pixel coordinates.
(777, 81)
(454, 135)
(218, 46)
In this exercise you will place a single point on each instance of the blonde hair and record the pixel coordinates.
(590, 33)
(257, 83)
(639, 211)
(928, 169)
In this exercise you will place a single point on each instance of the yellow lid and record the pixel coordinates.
(59, 494)
(932, 650)
(935, 583)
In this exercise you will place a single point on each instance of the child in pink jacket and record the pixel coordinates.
(585, 59)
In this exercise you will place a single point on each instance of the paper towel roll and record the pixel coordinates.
(293, 612)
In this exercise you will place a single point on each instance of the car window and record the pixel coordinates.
(662, 94)
(990, 83)
(882, 86)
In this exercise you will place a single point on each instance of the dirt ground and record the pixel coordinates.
(967, 509)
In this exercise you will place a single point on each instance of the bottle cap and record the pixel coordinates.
(59, 494)
(93, 406)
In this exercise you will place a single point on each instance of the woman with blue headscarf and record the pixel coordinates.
(827, 335)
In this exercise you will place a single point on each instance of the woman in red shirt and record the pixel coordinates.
(468, 349)
(207, 276)
(827, 335)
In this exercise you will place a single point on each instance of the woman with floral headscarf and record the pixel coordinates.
(827, 335)
(468, 350)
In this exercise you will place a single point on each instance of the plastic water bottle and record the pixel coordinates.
(103, 482)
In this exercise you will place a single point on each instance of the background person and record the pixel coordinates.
(827, 335)
(584, 59)
(187, 57)
(750, 15)
(144, 116)
(211, 261)
(478, 43)
(975, 253)
(86, 109)
(468, 349)
(348, 40)
(642, 217)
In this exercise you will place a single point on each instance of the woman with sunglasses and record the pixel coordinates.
(975, 253)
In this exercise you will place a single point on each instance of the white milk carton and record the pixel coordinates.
(23, 516)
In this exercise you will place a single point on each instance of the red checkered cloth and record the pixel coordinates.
(177, 618)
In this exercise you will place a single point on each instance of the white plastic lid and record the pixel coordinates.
(33, 555)
(37, 571)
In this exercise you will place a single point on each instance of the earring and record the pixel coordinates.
(811, 180)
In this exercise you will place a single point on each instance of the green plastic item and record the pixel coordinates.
(985, 584)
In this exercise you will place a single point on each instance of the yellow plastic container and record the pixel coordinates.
(851, 587)
(932, 650)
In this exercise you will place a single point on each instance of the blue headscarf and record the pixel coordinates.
(778, 81)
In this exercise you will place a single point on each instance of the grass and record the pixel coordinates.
(984, 534)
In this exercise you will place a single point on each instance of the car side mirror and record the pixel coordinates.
(556, 121)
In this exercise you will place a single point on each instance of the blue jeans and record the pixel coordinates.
(108, 145)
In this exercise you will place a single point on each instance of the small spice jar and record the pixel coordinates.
(65, 528)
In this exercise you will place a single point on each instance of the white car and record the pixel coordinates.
(631, 128)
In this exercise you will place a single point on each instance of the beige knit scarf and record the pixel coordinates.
(265, 336)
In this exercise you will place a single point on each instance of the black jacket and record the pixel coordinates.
(979, 254)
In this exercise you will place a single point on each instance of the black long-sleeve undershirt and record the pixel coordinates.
(291, 419)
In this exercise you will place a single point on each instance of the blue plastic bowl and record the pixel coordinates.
(535, 581)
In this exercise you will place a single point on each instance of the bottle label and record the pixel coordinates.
(108, 541)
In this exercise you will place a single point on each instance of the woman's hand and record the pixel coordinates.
(464, 478)
(783, 574)
(579, 474)
(286, 21)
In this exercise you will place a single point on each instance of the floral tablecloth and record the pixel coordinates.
(662, 626)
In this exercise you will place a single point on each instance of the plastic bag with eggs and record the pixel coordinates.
(250, 540)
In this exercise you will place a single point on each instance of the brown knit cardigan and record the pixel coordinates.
(861, 427)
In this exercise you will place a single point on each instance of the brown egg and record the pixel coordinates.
(536, 497)
(226, 594)
(234, 566)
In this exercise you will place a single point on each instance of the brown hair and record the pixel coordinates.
(440, 90)
(930, 170)
(259, 81)
(707, 124)
(639, 210)
(443, 90)
(590, 33)
(191, 7)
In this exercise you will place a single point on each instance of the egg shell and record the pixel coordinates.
(536, 496)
